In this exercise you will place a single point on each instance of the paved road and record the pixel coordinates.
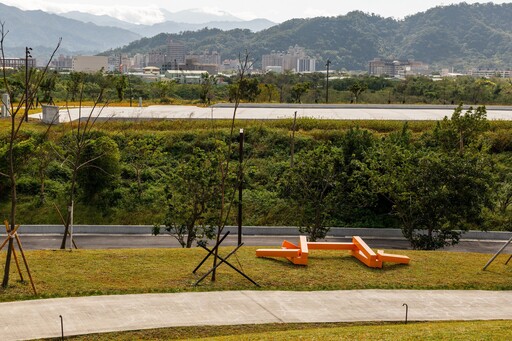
(276, 111)
(84, 315)
(117, 241)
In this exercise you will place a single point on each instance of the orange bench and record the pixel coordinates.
(298, 254)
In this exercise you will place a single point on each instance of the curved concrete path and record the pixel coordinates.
(82, 315)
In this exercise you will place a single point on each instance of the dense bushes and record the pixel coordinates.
(418, 176)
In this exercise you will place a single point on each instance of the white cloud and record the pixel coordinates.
(135, 14)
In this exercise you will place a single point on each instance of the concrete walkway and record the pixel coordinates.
(82, 315)
(275, 111)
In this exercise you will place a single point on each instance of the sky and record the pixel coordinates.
(147, 12)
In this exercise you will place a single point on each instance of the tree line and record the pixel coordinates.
(268, 88)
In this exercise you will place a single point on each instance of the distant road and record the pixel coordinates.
(131, 241)
(279, 111)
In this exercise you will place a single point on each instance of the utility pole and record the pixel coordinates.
(240, 185)
(327, 82)
(27, 102)
(130, 86)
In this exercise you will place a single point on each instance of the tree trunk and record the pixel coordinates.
(190, 237)
(12, 177)
(68, 217)
(41, 188)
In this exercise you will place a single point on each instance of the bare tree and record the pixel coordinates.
(226, 192)
(73, 152)
(33, 83)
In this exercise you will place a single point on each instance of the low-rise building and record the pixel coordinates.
(90, 64)
(397, 68)
(62, 63)
(306, 65)
(151, 70)
(489, 73)
(16, 63)
(230, 65)
(185, 76)
(205, 58)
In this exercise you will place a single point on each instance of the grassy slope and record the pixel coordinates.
(96, 272)
(480, 330)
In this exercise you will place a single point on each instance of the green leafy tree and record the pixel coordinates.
(433, 194)
(312, 184)
(101, 167)
(462, 129)
(191, 191)
(45, 156)
(161, 89)
(298, 90)
(357, 89)
(207, 84)
(246, 88)
(270, 89)
(73, 84)
(48, 86)
(120, 83)
(142, 153)
(500, 215)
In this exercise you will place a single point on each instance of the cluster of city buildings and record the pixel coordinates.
(409, 67)
(174, 57)
(295, 60)
(175, 63)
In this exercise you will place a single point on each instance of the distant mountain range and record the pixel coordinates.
(84, 33)
(41, 31)
(457, 36)
(89, 34)
(189, 20)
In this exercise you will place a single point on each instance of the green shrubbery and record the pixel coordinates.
(380, 174)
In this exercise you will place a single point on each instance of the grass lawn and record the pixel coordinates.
(473, 330)
(100, 272)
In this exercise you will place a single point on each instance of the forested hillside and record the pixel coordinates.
(457, 35)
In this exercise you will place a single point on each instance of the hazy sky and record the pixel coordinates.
(147, 12)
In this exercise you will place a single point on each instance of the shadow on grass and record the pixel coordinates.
(282, 262)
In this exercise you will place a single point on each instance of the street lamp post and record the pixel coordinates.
(327, 82)
(27, 102)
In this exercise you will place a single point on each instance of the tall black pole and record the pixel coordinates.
(27, 54)
(327, 82)
(240, 185)
(131, 92)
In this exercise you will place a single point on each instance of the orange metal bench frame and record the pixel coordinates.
(298, 254)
